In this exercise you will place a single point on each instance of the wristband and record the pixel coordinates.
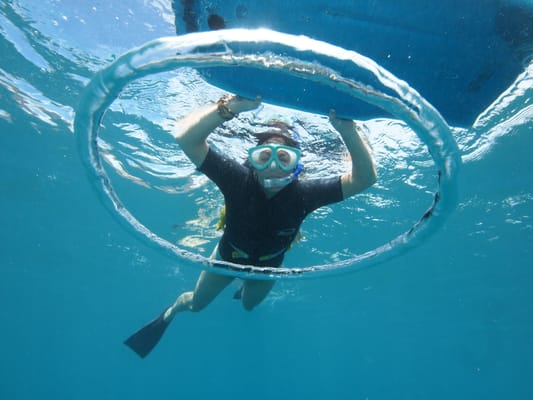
(223, 110)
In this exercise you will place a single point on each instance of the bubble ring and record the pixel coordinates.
(309, 59)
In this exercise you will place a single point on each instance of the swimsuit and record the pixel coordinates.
(259, 230)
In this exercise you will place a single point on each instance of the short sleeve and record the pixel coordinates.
(317, 193)
(225, 172)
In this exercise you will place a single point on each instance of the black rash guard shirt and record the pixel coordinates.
(260, 230)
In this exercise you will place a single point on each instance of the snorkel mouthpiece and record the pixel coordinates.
(281, 182)
(277, 182)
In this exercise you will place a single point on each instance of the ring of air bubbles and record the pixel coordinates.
(361, 78)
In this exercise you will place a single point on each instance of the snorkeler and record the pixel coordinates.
(265, 202)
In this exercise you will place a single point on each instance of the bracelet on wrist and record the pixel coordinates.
(223, 110)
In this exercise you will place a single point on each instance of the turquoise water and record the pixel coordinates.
(449, 319)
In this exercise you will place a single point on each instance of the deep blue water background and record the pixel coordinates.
(451, 319)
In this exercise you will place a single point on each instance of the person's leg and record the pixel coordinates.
(254, 292)
(208, 286)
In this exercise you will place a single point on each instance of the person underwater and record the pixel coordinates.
(265, 202)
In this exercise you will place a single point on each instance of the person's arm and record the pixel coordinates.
(363, 174)
(191, 132)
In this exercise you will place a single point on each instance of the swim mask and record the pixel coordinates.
(285, 157)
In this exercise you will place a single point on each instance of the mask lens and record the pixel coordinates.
(286, 157)
(260, 157)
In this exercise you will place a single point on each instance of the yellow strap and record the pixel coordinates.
(238, 253)
(221, 224)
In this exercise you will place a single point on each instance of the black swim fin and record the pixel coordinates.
(145, 339)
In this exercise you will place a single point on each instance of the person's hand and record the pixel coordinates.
(340, 124)
(238, 104)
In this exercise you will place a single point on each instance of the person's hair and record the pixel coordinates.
(267, 136)
(281, 130)
(281, 125)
